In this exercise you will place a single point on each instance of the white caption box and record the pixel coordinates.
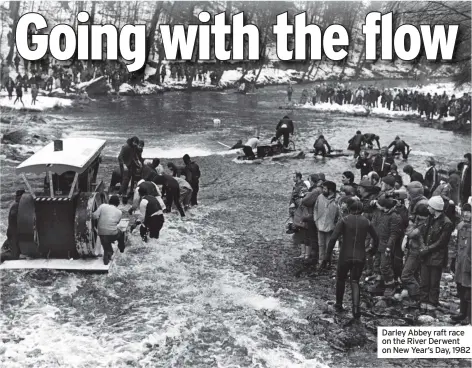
(424, 342)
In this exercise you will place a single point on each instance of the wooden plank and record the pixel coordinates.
(76, 177)
(51, 185)
(28, 185)
(81, 265)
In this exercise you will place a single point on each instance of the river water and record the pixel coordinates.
(217, 289)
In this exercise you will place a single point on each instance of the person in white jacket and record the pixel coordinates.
(326, 214)
(185, 192)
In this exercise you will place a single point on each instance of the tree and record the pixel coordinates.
(15, 16)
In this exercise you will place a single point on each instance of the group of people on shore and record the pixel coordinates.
(400, 99)
(41, 74)
(399, 235)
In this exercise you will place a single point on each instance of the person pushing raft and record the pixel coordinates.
(355, 143)
(369, 139)
(399, 145)
(320, 146)
(284, 128)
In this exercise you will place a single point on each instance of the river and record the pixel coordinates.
(217, 290)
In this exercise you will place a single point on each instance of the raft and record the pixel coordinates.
(94, 265)
(335, 153)
(281, 156)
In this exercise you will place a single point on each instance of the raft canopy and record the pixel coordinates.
(77, 155)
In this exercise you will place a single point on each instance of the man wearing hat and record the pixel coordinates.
(431, 177)
(415, 241)
(12, 249)
(416, 197)
(434, 254)
(389, 227)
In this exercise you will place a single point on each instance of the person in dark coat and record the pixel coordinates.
(149, 170)
(11, 248)
(370, 138)
(128, 158)
(414, 175)
(454, 183)
(410, 274)
(364, 163)
(462, 266)
(284, 128)
(192, 175)
(434, 255)
(399, 145)
(139, 152)
(465, 180)
(319, 146)
(10, 86)
(352, 254)
(389, 227)
(355, 143)
(347, 179)
(239, 144)
(309, 200)
(431, 177)
(171, 190)
(19, 93)
(383, 162)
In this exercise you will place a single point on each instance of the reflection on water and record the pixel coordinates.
(197, 297)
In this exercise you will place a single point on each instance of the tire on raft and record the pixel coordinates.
(26, 222)
(87, 241)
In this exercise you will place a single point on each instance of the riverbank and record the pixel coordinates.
(449, 123)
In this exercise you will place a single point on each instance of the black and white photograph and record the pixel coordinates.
(228, 184)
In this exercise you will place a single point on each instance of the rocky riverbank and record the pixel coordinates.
(353, 343)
